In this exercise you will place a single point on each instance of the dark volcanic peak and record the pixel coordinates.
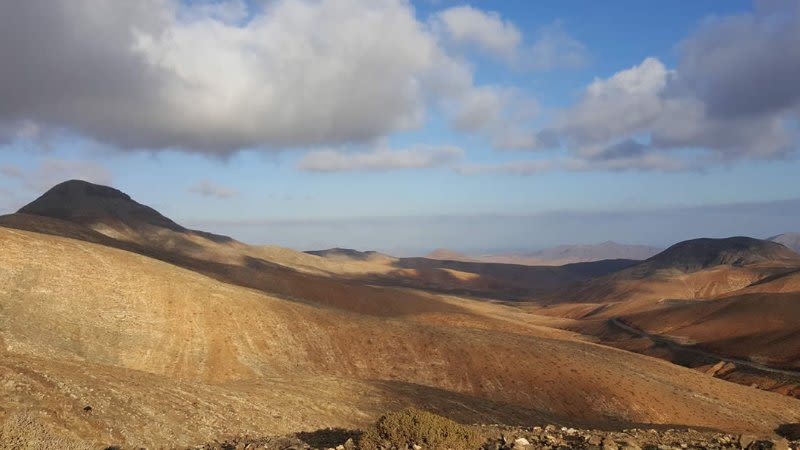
(83, 202)
(698, 254)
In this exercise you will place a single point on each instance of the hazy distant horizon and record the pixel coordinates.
(504, 233)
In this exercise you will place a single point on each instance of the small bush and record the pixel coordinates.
(402, 429)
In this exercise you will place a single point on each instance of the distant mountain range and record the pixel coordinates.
(127, 318)
(557, 256)
(791, 240)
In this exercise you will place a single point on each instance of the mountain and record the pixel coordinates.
(698, 268)
(105, 215)
(556, 256)
(790, 240)
(87, 203)
(144, 342)
(709, 299)
(450, 255)
(134, 341)
(698, 254)
(468, 277)
(586, 253)
(113, 213)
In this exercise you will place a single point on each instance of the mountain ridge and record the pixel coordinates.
(790, 240)
(703, 253)
(84, 202)
(149, 311)
(556, 256)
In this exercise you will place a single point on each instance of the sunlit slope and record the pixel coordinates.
(761, 327)
(694, 269)
(68, 301)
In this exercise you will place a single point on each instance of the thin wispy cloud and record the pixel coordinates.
(11, 171)
(51, 171)
(380, 159)
(522, 168)
(469, 27)
(206, 188)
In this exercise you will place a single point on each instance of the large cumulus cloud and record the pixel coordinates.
(149, 74)
(216, 77)
(733, 95)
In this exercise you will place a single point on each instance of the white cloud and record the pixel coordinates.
(504, 115)
(516, 137)
(479, 108)
(554, 48)
(645, 161)
(522, 168)
(51, 171)
(217, 77)
(380, 159)
(655, 162)
(11, 171)
(228, 11)
(465, 25)
(206, 188)
(734, 95)
(154, 74)
(469, 27)
(627, 102)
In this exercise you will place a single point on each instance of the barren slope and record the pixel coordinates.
(718, 298)
(695, 269)
(761, 327)
(168, 344)
(102, 214)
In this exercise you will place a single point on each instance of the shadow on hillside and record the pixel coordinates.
(462, 408)
(328, 437)
(790, 431)
(468, 409)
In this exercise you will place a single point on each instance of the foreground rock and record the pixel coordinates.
(545, 438)
(551, 438)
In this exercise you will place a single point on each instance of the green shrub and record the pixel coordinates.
(402, 429)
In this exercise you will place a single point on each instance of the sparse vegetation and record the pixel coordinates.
(403, 429)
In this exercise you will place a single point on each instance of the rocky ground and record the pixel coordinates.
(545, 438)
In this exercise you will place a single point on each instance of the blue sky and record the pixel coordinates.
(477, 126)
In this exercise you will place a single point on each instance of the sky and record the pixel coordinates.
(482, 126)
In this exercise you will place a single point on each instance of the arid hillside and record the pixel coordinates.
(101, 214)
(732, 301)
(696, 269)
(144, 342)
(109, 327)
(761, 327)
